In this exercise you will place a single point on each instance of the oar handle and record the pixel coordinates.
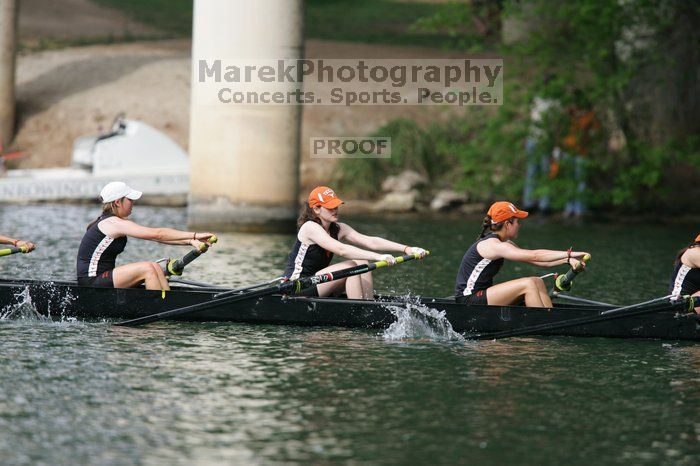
(13, 250)
(176, 266)
(564, 282)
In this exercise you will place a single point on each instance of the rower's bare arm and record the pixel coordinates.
(312, 232)
(115, 226)
(374, 243)
(495, 249)
(17, 242)
(573, 260)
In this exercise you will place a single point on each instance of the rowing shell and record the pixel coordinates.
(67, 299)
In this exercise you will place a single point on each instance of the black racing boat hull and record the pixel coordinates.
(66, 299)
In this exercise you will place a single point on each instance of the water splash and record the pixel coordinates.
(23, 310)
(415, 320)
(57, 303)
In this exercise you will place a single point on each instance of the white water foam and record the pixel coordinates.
(23, 310)
(418, 321)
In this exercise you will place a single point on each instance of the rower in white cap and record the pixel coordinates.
(106, 238)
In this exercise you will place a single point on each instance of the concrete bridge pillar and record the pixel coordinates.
(8, 47)
(244, 159)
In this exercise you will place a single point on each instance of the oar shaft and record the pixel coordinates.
(225, 298)
(198, 283)
(194, 308)
(627, 311)
(292, 286)
(249, 287)
(295, 286)
(619, 310)
(576, 299)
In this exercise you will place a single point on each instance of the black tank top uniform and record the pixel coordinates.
(684, 280)
(476, 274)
(307, 259)
(97, 255)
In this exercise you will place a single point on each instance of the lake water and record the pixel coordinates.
(75, 392)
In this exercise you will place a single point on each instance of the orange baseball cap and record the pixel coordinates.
(697, 240)
(325, 197)
(504, 210)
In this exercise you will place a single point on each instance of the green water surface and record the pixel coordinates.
(76, 392)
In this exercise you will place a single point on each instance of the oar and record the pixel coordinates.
(291, 286)
(176, 266)
(226, 288)
(196, 283)
(576, 299)
(252, 287)
(647, 307)
(564, 282)
(13, 250)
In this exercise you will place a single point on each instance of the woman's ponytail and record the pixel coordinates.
(485, 225)
(110, 207)
(307, 214)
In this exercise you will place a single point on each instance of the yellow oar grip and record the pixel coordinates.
(205, 244)
(399, 260)
(13, 250)
(171, 268)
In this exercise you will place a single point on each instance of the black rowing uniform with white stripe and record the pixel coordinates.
(98, 252)
(307, 259)
(684, 280)
(476, 273)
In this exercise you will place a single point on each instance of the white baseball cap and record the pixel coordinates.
(116, 190)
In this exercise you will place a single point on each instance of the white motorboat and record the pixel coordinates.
(131, 151)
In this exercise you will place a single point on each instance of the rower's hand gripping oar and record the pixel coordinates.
(13, 250)
(176, 266)
(564, 282)
(291, 286)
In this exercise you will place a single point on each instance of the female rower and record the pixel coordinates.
(28, 245)
(320, 236)
(106, 237)
(686, 273)
(484, 259)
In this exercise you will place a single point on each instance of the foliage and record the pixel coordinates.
(371, 21)
(368, 21)
(474, 25)
(362, 178)
(481, 155)
(612, 50)
(173, 17)
(635, 61)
